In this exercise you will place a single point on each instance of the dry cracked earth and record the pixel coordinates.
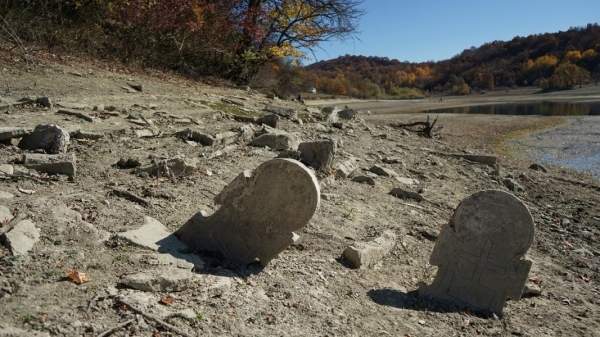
(308, 290)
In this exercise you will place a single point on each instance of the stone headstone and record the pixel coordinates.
(480, 253)
(259, 211)
(48, 137)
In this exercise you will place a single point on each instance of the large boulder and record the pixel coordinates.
(48, 137)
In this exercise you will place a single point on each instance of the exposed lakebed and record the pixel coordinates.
(520, 109)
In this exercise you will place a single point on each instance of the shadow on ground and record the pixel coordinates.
(409, 300)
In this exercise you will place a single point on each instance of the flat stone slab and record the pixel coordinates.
(22, 237)
(153, 235)
(480, 253)
(51, 163)
(363, 255)
(259, 211)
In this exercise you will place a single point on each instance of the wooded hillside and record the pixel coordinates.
(551, 61)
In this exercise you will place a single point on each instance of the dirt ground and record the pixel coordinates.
(308, 290)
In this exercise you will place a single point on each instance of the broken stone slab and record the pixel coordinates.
(259, 211)
(8, 133)
(181, 260)
(146, 133)
(366, 254)
(161, 280)
(383, 171)
(77, 114)
(480, 253)
(5, 215)
(275, 139)
(319, 154)
(271, 120)
(364, 179)
(174, 167)
(196, 136)
(81, 134)
(48, 137)
(153, 235)
(51, 163)
(392, 160)
(401, 193)
(22, 237)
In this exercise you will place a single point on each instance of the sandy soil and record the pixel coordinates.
(308, 290)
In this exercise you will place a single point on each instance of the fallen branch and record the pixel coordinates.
(426, 128)
(115, 328)
(76, 114)
(130, 196)
(157, 320)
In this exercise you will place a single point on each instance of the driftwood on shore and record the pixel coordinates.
(426, 128)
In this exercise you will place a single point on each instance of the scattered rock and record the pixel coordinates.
(175, 167)
(392, 160)
(478, 158)
(531, 290)
(259, 211)
(407, 181)
(275, 139)
(48, 137)
(46, 102)
(282, 111)
(347, 113)
(319, 154)
(51, 163)
(196, 136)
(22, 237)
(367, 254)
(364, 179)
(226, 138)
(8, 133)
(382, 171)
(271, 120)
(246, 133)
(538, 167)
(146, 133)
(136, 86)
(128, 163)
(513, 185)
(346, 168)
(405, 194)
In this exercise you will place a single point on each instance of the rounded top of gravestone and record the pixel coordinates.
(495, 219)
(281, 194)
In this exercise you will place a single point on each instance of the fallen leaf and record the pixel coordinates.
(77, 277)
(167, 300)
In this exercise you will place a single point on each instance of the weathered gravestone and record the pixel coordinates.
(259, 211)
(480, 253)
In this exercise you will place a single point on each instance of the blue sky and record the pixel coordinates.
(421, 30)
